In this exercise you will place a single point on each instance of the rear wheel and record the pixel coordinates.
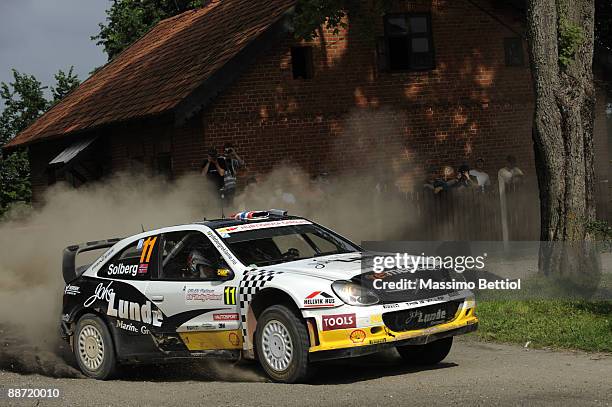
(428, 354)
(282, 343)
(93, 348)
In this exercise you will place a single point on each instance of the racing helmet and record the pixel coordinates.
(196, 262)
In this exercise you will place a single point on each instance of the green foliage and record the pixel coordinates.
(313, 14)
(24, 102)
(601, 232)
(570, 39)
(128, 20)
(66, 82)
(570, 324)
(14, 180)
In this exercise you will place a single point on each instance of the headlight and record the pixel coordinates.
(354, 294)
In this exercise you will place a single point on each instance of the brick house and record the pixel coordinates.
(434, 82)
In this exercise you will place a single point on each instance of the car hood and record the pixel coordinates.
(333, 267)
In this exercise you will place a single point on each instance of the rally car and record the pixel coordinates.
(261, 285)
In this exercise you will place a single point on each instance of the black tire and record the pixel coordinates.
(298, 368)
(428, 354)
(95, 340)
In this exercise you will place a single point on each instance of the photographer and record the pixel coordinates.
(464, 180)
(214, 168)
(233, 162)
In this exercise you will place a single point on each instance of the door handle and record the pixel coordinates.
(157, 298)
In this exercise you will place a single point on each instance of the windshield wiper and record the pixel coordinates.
(332, 253)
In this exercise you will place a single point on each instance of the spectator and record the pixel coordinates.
(449, 179)
(433, 181)
(233, 162)
(481, 177)
(214, 169)
(464, 180)
(510, 174)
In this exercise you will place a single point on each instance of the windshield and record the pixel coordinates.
(266, 246)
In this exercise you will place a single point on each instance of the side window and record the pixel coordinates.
(301, 62)
(513, 50)
(409, 42)
(189, 255)
(136, 262)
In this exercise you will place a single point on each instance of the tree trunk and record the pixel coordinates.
(563, 128)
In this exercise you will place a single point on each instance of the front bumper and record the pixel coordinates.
(367, 349)
(372, 335)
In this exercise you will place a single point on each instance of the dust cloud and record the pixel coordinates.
(31, 241)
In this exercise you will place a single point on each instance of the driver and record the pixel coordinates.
(199, 266)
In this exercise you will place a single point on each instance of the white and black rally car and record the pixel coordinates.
(262, 285)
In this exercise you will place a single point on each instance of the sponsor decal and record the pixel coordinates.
(121, 269)
(376, 276)
(390, 306)
(428, 300)
(72, 290)
(125, 309)
(206, 326)
(318, 299)
(143, 269)
(357, 336)
(376, 319)
(229, 296)
(377, 341)
(419, 316)
(101, 293)
(262, 225)
(131, 328)
(126, 326)
(221, 247)
(103, 258)
(230, 316)
(340, 321)
(200, 295)
(234, 339)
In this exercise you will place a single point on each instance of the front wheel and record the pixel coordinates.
(282, 345)
(428, 354)
(93, 348)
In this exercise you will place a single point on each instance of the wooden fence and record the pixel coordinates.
(471, 214)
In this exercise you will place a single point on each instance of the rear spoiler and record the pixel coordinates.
(69, 270)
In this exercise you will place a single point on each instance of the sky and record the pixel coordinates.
(39, 37)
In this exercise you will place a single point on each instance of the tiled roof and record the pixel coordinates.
(159, 70)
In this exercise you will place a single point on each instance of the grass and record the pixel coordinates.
(569, 324)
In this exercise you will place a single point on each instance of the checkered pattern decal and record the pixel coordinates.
(251, 284)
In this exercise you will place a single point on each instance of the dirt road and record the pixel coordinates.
(473, 374)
